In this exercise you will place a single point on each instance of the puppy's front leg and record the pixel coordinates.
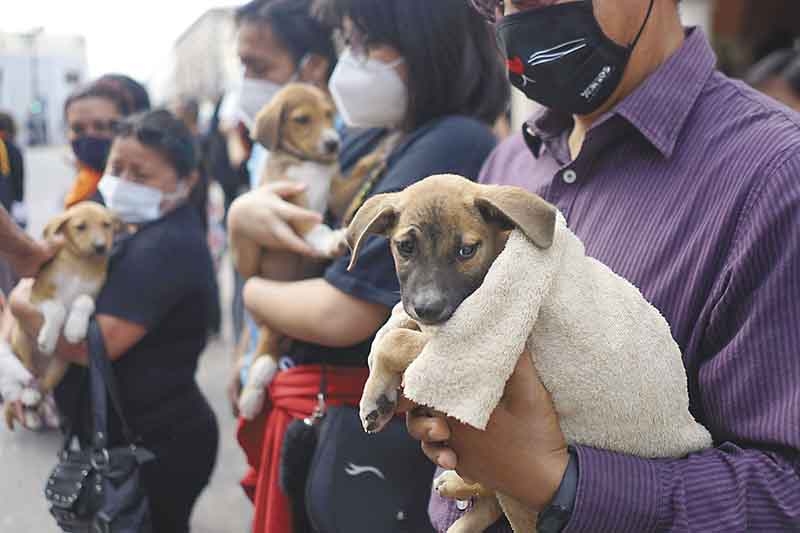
(54, 314)
(78, 319)
(395, 352)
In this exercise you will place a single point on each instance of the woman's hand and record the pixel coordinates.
(264, 216)
(522, 453)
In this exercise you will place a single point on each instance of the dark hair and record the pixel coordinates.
(140, 100)
(159, 130)
(7, 124)
(783, 64)
(102, 89)
(454, 67)
(293, 25)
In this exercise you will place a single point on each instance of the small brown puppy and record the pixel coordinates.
(445, 233)
(297, 128)
(64, 291)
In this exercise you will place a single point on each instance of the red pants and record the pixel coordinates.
(292, 395)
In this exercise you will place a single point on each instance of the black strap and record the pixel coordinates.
(102, 381)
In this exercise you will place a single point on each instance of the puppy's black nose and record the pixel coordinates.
(430, 312)
(332, 146)
(100, 249)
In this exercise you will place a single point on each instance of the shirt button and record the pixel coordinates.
(462, 505)
(569, 176)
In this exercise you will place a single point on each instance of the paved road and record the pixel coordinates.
(26, 458)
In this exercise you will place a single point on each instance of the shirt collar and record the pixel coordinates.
(658, 108)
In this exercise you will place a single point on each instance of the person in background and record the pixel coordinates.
(152, 313)
(91, 113)
(778, 76)
(279, 42)
(12, 188)
(417, 114)
(684, 182)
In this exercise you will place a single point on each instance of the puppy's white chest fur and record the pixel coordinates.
(69, 286)
(318, 179)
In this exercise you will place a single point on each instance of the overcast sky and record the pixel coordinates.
(129, 36)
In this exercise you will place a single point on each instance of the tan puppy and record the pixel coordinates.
(297, 128)
(64, 291)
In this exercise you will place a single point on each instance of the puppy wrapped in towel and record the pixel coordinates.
(603, 352)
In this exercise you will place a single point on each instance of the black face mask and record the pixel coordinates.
(559, 56)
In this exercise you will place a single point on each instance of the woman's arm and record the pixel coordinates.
(120, 335)
(313, 311)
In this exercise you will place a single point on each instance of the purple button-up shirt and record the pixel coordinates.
(690, 189)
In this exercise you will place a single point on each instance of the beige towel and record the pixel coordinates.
(605, 354)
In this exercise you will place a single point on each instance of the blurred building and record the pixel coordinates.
(37, 73)
(202, 63)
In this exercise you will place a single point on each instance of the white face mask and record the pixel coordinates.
(254, 94)
(370, 93)
(134, 203)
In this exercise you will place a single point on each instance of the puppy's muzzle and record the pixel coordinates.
(431, 311)
(330, 142)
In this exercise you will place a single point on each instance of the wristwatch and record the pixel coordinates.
(556, 515)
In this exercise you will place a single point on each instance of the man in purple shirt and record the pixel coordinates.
(687, 184)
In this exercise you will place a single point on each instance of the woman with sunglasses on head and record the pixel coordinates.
(91, 113)
(152, 314)
(419, 84)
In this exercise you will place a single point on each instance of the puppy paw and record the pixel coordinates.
(78, 320)
(337, 245)
(377, 412)
(30, 397)
(450, 485)
(251, 401)
(47, 341)
(33, 420)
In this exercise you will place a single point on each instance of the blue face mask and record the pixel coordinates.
(92, 151)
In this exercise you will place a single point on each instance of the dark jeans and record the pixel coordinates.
(185, 456)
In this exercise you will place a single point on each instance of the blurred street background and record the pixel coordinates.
(26, 458)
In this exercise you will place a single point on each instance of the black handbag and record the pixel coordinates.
(355, 482)
(97, 489)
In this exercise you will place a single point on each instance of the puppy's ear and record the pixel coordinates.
(378, 216)
(513, 207)
(269, 122)
(55, 226)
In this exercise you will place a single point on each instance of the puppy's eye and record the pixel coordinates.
(303, 120)
(468, 251)
(81, 226)
(406, 248)
(107, 225)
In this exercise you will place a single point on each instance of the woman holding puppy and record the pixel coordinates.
(417, 113)
(152, 314)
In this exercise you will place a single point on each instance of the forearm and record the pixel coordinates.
(722, 489)
(13, 240)
(313, 311)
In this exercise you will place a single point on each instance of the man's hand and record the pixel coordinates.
(264, 216)
(28, 261)
(522, 453)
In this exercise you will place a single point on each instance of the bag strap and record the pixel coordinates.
(103, 385)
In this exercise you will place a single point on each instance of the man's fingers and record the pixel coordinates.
(427, 428)
(440, 455)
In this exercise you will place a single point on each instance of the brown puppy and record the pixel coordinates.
(297, 128)
(445, 233)
(64, 291)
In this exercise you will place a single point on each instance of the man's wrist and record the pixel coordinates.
(554, 517)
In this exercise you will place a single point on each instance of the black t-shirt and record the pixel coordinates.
(455, 144)
(160, 278)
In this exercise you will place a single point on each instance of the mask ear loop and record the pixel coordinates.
(644, 25)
